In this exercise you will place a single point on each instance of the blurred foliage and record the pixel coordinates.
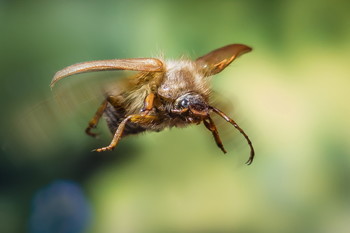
(290, 94)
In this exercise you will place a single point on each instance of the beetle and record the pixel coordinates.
(163, 94)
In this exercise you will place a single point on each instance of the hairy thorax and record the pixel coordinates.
(181, 77)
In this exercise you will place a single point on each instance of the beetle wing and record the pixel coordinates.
(135, 64)
(217, 60)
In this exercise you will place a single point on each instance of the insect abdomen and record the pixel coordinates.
(114, 116)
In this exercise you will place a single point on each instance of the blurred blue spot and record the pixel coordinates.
(59, 207)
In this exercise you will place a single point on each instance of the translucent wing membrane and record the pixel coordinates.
(217, 60)
(136, 64)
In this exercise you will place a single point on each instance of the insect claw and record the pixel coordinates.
(250, 160)
(94, 135)
(88, 132)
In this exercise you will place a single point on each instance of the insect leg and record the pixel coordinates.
(148, 104)
(135, 118)
(211, 126)
(119, 133)
(117, 136)
(94, 121)
(223, 115)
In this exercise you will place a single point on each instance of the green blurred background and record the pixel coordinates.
(290, 94)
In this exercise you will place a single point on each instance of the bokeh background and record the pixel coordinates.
(290, 94)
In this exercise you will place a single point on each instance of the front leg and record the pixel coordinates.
(211, 126)
(148, 104)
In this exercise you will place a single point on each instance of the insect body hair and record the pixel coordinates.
(183, 76)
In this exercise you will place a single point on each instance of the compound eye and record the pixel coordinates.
(184, 103)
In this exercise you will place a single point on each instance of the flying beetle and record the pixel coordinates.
(163, 94)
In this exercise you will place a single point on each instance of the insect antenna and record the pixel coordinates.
(228, 119)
